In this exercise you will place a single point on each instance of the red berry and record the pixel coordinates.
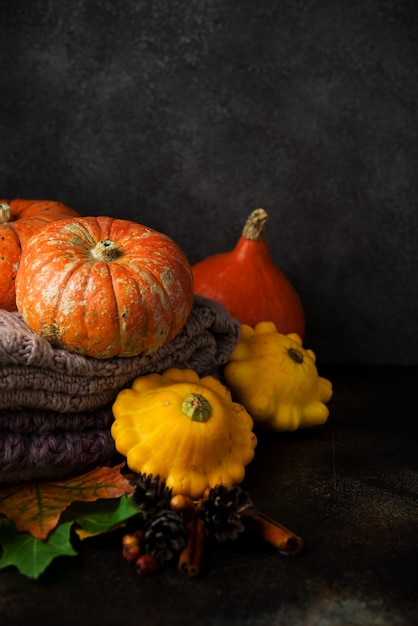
(146, 564)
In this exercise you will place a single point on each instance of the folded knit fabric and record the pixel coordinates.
(56, 407)
(46, 444)
(36, 375)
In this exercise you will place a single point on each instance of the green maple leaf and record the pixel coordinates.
(36, 506)
(36, 518)
(31, 556)
(101, 517)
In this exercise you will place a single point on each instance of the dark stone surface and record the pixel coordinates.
(348, 488)
(186, 116)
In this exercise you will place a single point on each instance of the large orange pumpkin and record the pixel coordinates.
(19, 220)
(104, 287)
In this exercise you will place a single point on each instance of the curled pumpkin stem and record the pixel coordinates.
(196, 407)
(296, 355)
(254, 226)
(105, 250)
(5, 213)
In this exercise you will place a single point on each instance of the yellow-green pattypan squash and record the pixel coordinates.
(184, 428)
(276, 379)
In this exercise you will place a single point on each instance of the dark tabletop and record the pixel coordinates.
(348, 488)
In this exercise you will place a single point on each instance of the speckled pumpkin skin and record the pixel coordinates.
(126, 306)
(28, 217)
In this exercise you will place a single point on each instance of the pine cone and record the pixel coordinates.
(151, 494)
(227, 512)
(164, 535)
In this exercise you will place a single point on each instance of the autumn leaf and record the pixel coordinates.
(102, 517)
(36, 506)
(31, 556)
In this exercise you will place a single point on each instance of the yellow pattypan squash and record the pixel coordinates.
(276, 379)
(184, 428)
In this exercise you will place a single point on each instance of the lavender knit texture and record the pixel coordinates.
(34, 374)
(56, 407)
(44, 444)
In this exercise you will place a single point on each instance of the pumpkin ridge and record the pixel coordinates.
(185, 441)
(153, 456)
(120, 317)
(82, 235)
(115, 316)
(52, 334)
(156, 278)
(34, 219)
(11, 228)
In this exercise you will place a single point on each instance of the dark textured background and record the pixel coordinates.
(187, 115)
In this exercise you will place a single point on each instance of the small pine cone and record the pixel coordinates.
(151, 494)
(165, 536)
(227, 512)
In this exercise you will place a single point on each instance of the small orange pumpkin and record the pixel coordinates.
(104, 287)
(248, 282)
(19, 220)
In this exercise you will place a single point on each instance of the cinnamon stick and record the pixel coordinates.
(190, 558)
(276, 534)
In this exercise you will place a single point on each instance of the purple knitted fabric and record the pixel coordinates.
(46, 444)
(55, 407)
(34, 374)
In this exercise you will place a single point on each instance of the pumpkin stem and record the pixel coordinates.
(196, 407)
(5, 213)
(105, 250)
(254, 226)
(295, 355)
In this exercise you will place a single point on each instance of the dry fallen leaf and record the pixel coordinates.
(36, 506)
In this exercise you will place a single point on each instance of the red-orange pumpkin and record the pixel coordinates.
(19, 220)
(249, 284)
(104, 287)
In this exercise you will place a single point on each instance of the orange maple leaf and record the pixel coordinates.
(36, 506)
